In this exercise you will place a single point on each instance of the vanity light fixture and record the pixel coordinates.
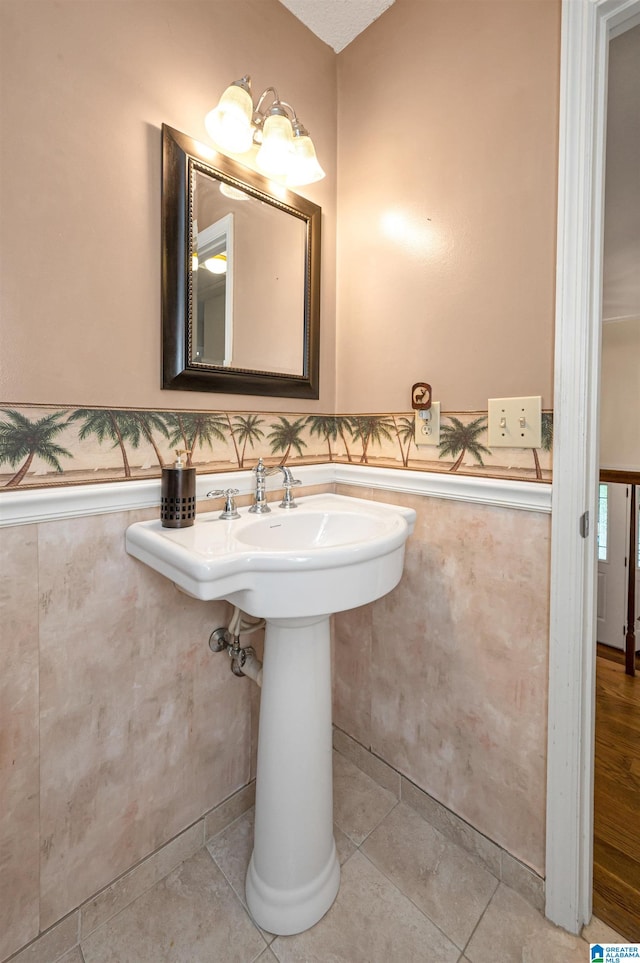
(285, 149)
(217, 264)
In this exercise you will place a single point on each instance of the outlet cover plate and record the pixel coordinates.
(506, 428)
(427, 430)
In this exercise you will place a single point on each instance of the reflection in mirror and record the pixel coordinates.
(267, 289)
(241, 267)
(212, 291)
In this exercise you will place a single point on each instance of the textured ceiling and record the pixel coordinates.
(337, 22)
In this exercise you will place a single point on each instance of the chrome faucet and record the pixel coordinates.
(289, 482)
(260, 506)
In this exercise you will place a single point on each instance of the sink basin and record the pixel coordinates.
(331, 553)
(312, 530)
(294, 568)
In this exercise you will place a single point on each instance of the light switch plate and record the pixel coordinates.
(427, 430)
(515, 422)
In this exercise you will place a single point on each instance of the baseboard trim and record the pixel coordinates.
(498, 861)
(65, 934)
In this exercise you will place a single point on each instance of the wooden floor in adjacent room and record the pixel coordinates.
(616, 860)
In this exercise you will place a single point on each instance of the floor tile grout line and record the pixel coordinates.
(230, 887)
(204, 846)
(209, 839)
(357, 848)
(143, 892)
(482, 915)
(413, 903)
(227, 880)
(392, 883)
(498, 881)
(452, 837)
(256, 928)
(372, 830)
(119, 879)
(242, 902)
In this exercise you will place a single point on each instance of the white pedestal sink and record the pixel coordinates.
(294, 568)
(294, 874)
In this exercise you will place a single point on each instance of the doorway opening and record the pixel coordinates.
(587, 28)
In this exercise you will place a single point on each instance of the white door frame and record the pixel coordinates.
(587, 26)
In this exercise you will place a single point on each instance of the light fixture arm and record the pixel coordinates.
(275, 100)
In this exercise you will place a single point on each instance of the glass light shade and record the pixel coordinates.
(305, 168)
(217, 264)
(233, 192)
(194, 261)
(274, 156)
(229, 124)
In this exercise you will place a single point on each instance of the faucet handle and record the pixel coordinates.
(230, 510)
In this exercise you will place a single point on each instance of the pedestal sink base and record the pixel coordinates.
(286, 912)
(294, 874)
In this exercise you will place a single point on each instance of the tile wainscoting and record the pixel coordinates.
(120, 728)
(124, 730)
(446, 678)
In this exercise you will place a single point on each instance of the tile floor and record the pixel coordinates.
(407, 894)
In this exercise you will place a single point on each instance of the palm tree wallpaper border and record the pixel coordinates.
(43, 446)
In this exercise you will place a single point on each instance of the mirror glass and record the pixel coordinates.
(241, 271)
(212, 289)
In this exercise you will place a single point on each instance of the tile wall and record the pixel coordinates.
(121, 729)
(445, 678)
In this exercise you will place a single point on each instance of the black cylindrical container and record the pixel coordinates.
(178, 496)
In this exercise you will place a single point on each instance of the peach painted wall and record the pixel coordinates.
(86, 87)
(447, 133)
(620, 395)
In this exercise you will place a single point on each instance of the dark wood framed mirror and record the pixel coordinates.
(240, 277)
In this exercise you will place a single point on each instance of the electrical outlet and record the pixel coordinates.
(427, 429)
(515, 422)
